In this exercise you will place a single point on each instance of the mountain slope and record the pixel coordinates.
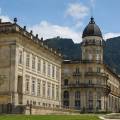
(71, 50)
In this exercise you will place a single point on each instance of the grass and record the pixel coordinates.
(49, 117)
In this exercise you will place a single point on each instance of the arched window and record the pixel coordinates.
(66, 94)
(65, 82)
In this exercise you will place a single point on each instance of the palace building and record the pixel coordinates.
(30, 72)
(88, 84)
(35, 79)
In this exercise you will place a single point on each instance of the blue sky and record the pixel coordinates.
(65, 18)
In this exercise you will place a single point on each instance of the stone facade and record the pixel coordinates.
(30, 72)
(89, 85)
(90, 90)
(30, 75)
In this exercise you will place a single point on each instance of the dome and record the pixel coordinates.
(92, 29)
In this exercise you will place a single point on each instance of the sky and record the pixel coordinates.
(64, 18)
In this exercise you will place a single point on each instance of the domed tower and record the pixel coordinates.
(92, 48)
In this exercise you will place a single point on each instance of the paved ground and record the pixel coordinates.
(112, 116)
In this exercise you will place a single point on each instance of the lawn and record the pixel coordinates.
(49, 117)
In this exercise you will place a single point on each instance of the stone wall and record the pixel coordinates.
(45, 111)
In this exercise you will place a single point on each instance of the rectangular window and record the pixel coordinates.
(99, 81)
(48, 69)
(27, 84)
(38, 87)
(97, 57)
(90, 82)
(77, 104)
(44, 89)
(57, 73)
(33, 86)
(39, 65)
(53, 71)
(90, 69)
(53, 91)
(98, 104)
(77, 81)
(90, 104)
(77, 70)
(33, 62)
(97, 51)
(57, 92)
(48, 90)
(77, 95)
(20, 57)
(44, 67)
(98, 69)
(90, 56)
(28, 60)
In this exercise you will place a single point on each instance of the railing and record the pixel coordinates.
(106, 88)
(96, 74)
(86, 85)
(115, 93)
(99, 43)
(76, 74)
(91, 61)
(8, 27)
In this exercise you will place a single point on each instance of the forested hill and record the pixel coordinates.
(71, 50)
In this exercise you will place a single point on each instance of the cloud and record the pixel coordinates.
(5, 18)
(110, 35)
(47, 30)
(77, 12)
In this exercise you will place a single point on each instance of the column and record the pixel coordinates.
(41, 88)
(36, 86)
(55, 91)
(46, 86)
(71, 99)
(55, 71)
(50, 90)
